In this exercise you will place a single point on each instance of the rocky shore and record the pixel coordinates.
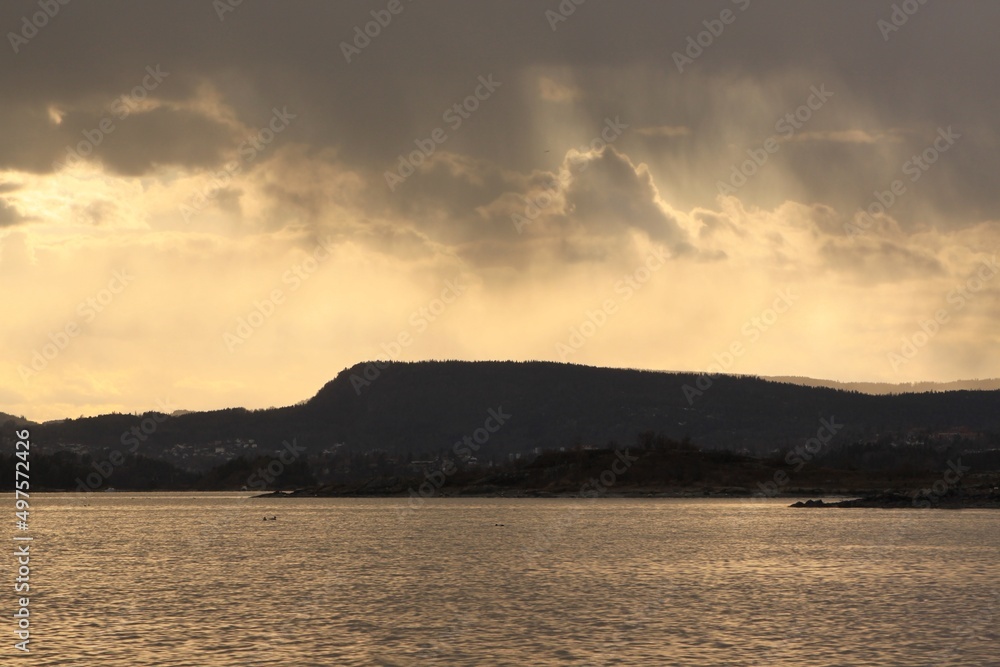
(976, 498)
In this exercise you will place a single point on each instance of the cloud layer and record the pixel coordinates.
(257, 184)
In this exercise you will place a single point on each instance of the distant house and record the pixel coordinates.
(422, 466)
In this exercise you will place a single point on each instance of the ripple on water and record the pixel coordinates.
(198, 579)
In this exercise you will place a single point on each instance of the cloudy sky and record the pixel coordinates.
(216, 204)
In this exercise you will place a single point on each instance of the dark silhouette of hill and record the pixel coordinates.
(422, 408)
(427, 405)
(890, 388)
(14, 420)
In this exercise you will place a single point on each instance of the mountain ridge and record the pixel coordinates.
(422, 408)
(872, 388)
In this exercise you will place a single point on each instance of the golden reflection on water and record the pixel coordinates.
(200, 579)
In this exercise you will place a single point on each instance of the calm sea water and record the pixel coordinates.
(200, 579)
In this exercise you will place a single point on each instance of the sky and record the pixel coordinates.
(212, 204)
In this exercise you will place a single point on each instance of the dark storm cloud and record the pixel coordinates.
(140, 142)
(935, 71)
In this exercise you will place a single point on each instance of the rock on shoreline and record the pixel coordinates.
(986, 498)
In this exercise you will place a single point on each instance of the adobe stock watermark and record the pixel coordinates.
(966, 634)
(223, 7)
(590, 491)
(47, 10)
(119, 109)
(900, 16)
(258, 481)
(263, 310)
(362, 38)
(915, 167)
(598, 486)
(698, 44)
(751, 330)
(419, 321)
(131, 439)
(454, 116)
(957, 299)
(275, 468)
(248, 151)
(627, 631)
(627, 287)
(562, 12)
(86, 311)
(534, 206)
(802, 454)
(462, 449)
(785, 127)
(22, 542)
(952, 477)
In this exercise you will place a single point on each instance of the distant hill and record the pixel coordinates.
(890, 388)
(19, 421)
(421, 408)
(556, 404)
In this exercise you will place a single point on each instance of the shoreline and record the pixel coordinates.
(984, 499)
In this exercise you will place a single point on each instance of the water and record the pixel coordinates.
(200, 579)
